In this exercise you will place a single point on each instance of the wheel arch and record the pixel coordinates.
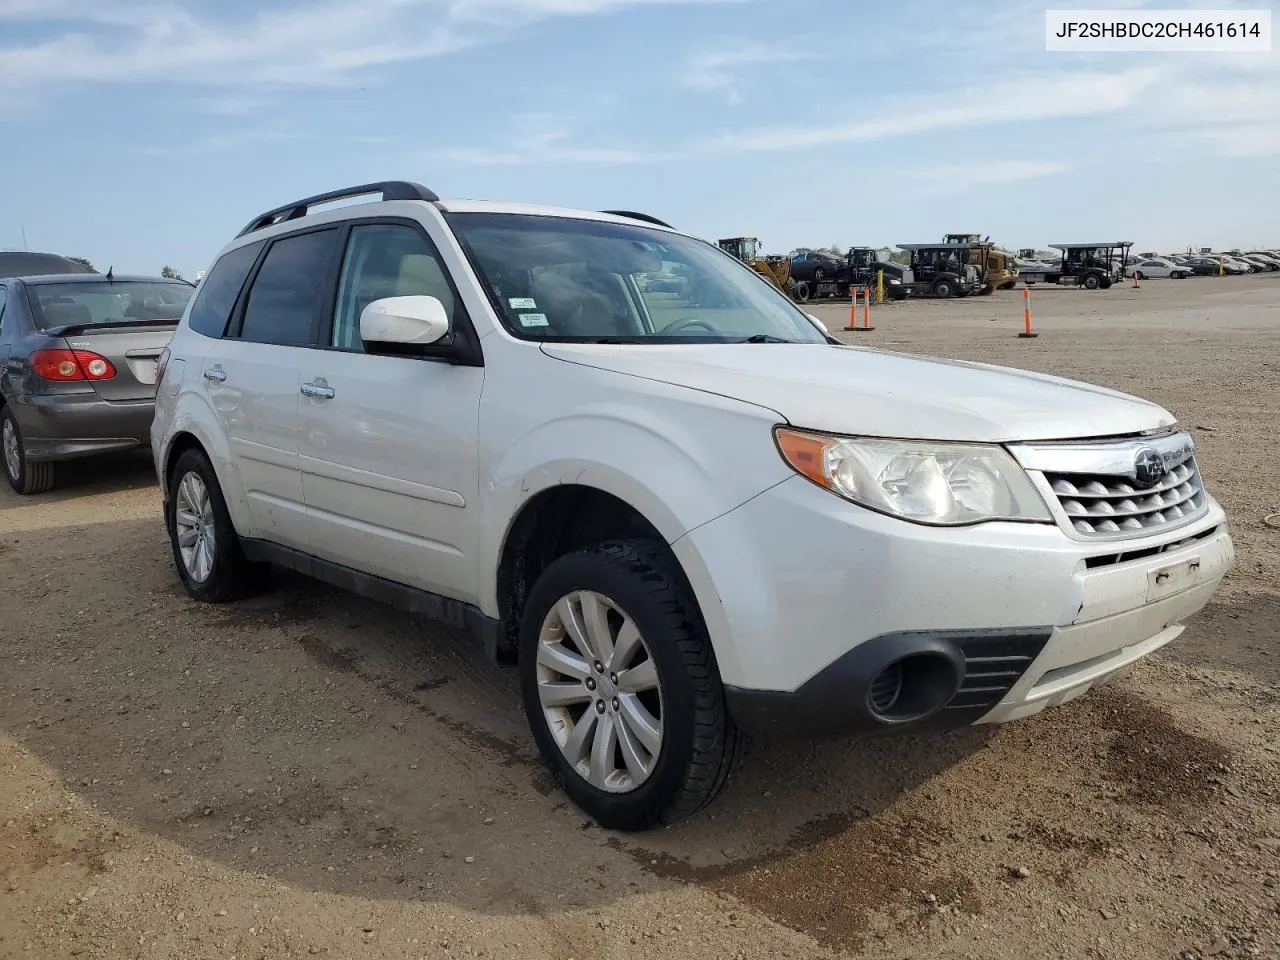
(558, 520)
(194, 426)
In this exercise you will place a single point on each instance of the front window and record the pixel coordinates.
(107, 303)
(553, 278)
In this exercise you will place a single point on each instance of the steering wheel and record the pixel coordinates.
(688, 323)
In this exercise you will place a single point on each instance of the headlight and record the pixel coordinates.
(944, 484)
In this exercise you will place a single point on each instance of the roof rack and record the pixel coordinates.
(632, 215)
(390, 190)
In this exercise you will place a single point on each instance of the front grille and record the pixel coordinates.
(1099, 505)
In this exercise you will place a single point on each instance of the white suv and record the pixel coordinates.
(627, 462)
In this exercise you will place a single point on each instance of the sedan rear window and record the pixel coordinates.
(107, 303)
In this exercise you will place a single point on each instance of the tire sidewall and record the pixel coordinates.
(942, 289)
(590, 570)
(218, 585)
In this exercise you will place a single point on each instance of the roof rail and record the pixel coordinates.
(632, 215)
(390, 190)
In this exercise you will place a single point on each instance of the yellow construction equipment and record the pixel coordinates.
(995, 266)
(777, 270)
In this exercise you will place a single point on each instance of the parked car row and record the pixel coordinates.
(1180, 265)
(686, 521)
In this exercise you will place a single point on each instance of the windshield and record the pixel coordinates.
(96, 303)
(554, 278)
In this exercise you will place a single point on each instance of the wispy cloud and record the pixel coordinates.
(547, 145)
(311, 43)
(1055, 96)
(719, 68)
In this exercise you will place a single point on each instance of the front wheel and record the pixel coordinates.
(1091, 281)
(621, 687)
(24, 475)
(942, 289)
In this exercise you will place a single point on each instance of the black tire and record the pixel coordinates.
(700, 744)
(987, 290)
(32, 476)
(942, 289)
(802, 292)
(232, 575)
(1091, 281)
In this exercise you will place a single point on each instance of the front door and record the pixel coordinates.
(388, 444)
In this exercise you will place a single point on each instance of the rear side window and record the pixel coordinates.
(217, 294)
(284, 300)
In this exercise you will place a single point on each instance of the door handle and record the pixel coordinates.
(215, 373)
(316, 391)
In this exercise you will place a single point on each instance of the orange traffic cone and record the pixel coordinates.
(1137, 277)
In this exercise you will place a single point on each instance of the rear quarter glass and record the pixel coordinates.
(221, 288)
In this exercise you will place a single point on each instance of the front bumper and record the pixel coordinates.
(71, 425)
(807, 598)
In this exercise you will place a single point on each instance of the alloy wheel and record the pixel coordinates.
(12, 450)
(599, 690)
(194, 526)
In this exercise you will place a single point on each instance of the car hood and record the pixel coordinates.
(866, 392)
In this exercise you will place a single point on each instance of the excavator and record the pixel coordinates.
(777, 270)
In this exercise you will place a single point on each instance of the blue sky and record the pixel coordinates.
(144, 132)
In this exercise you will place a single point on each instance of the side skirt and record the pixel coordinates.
(454, 613)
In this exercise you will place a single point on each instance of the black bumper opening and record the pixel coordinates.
(946, 678)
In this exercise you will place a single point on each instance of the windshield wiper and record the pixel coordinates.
(618, 340)
(765, 338)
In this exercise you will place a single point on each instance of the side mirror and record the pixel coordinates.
(818, 323)
(404, 322)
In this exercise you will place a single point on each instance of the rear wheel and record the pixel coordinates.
(25, 476)
(621, 688)
(206, 548)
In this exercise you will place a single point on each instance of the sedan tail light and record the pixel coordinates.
(162, 362)
(63, 365)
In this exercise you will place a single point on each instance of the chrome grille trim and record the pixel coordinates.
(1096, 494)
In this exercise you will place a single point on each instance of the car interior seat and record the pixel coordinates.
(66, 314)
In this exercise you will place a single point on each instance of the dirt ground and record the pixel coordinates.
(311, 774)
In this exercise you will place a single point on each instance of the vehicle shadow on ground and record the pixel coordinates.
(338, 745)
(88, 477)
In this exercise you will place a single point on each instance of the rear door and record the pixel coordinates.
(252, 375)
(388, 443)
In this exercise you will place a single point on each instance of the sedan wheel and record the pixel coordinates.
(24, 475)
(599, 691)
